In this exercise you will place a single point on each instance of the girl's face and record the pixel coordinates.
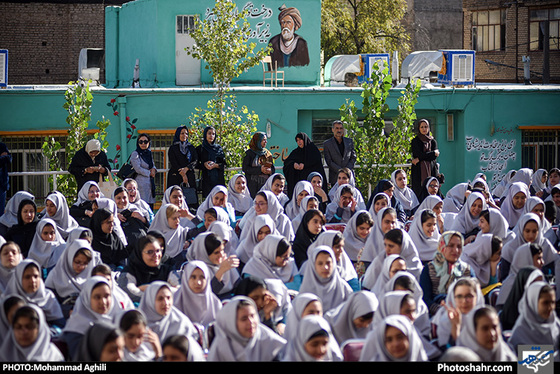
(300, 196)
(31, 279)
(538, 260)
(93, 193)
(391, 248)
(408, 309)
(530, 231)
(176, 198)
(218, 255)
(452, 251)
(247, 321)
(28, 213)
(317, 347)
(219, 199)
(164, 301)
(488, 331)
(10, 256)
(324, 265)
(197, 281)
(48, 233)
(396, 266)
(363, 230)
(151, 254)
(108, 224)
(429, 227)
(388, 222)
(261, 205)
(315, 225)
(134, 336)
(343, 179)
(401, 180)
(313, 308)
(396, 342)
(79, 263)
(26, 331)
(174, 220)
(277, 186)
(283, 260)
(101, 299)
(113, 351)
(380, 204)
(476, 208)
(121, 200)
(210, 136)
(546, 304)
(465, 298)
(240, 185)
(316, 181)
(484, 225)
(263, 232)
(50, 208)
(519, 200)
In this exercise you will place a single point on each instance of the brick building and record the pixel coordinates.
(505, 32)
(44, 38)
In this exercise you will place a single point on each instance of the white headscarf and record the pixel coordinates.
(173, 323)
(426, 246)
(374, 347)
(342, 317)
(46, 253)
(10, 216)
(406, 196)
(467, 338)
(308, 327)
(263, 262)
(241, 201)
(203, 307)
(332, 290)
(41, 350)
(62, 278)
(229, 345)
(353, 243)
(64, 221)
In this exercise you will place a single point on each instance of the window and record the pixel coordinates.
(488, 30)
(538, 19)
(540, 147)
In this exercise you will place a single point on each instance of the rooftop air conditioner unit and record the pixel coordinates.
(457, 68)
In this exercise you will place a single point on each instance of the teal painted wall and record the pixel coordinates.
(145, 29)
(474, 147)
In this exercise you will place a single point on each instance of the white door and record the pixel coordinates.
(187, 68)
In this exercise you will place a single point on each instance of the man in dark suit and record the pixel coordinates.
(338, 151)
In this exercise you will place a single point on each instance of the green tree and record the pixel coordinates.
(363, 26)
(380, 147)
(222, 42)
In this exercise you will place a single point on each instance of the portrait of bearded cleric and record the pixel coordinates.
(289, 48)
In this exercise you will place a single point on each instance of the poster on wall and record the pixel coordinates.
(3, 68)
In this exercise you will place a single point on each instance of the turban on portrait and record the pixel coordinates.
(292, 12)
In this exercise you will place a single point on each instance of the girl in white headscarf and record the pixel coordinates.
(489, 346)
(537, 322)
(241, 337)
(321, 278)
(195, 297)
(352, 319)
(209, 248)
(380, 343)
(163, 317)
(56, 208)
(424, 234)
(239, 195)
(27, 282)
(313, 331)
(356, 233)
(403, 193)
(41, 349)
